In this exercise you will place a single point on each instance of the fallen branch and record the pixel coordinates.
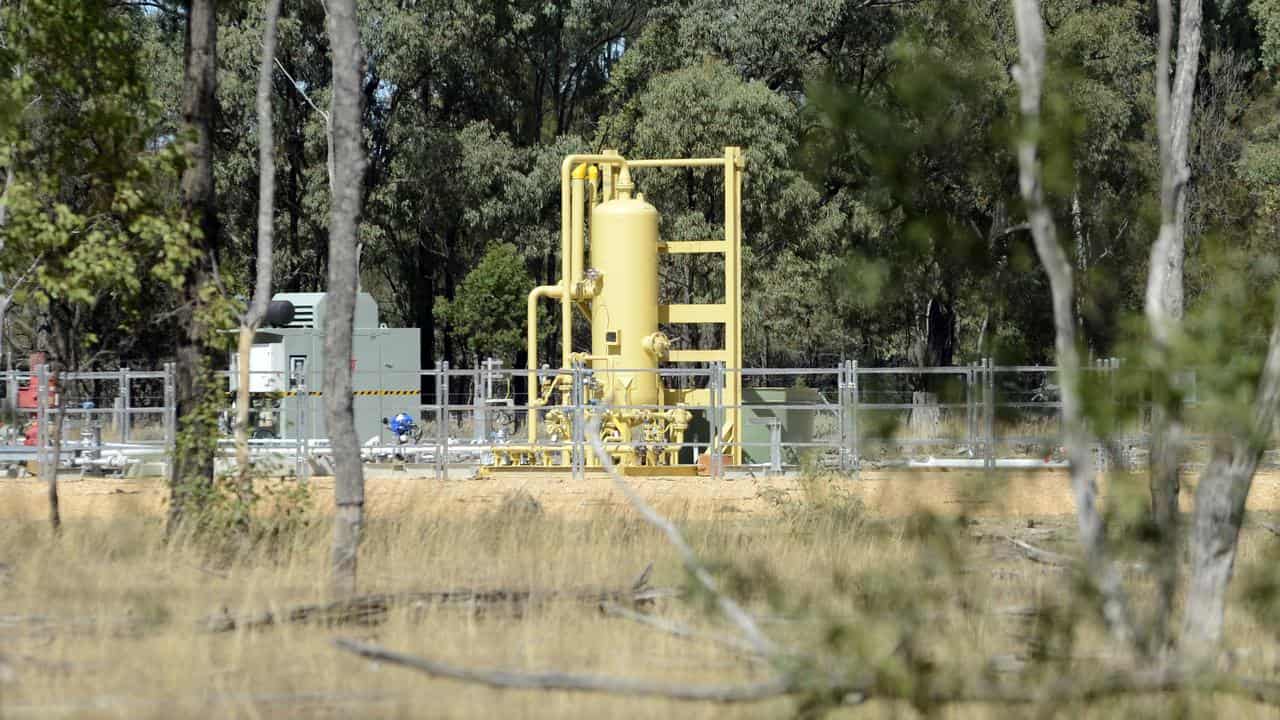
(372, 609)
(505, 679)
(1054, 559)
(1040, 555)
(45, 625)
(678, 629)
(1269, 527)
(1017, 689)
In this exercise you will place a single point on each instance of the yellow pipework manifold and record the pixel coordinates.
(619, 294)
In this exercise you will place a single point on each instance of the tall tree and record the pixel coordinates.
(344, 221)
(1164, 296)
(191, 468)
(1029, 74)
(257, 310)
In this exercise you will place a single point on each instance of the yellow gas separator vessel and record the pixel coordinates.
(643, 422)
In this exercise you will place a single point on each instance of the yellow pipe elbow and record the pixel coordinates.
(531, 349)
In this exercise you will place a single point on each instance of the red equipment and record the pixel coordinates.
(29, 394)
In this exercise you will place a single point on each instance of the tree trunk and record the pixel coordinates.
(50, 444)
(940, 330)
(926, 415)
(53, 459)
(266, 217)
(348, 163)
(192, 466)
(1029, 74)
(4, 288)
(1219, 511)
(1164, 296)
(422, 296)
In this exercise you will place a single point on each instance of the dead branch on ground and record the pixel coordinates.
(1040, 555)
(504, 679)
(372, 609)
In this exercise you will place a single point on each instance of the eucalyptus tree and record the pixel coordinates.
(191, 468)
(257, 310)
(348, 164)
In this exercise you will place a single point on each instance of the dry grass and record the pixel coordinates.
(102, 622)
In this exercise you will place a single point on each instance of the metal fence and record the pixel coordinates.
(845, 417)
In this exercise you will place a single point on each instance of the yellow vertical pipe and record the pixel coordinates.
(566, 272)
(733, 295)
(566, 250)
(577, 229)
(738, 167)
(531, 349)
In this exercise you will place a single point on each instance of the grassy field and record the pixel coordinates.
(909, 574)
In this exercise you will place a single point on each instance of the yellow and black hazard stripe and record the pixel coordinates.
(317, 393)
(279, 393)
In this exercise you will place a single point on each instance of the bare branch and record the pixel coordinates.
(301, 92)
(1270, 527)
(731, 609)
(1017, 689)
(1029, 74)
(328, 121)
(17, 284)
(678, 629)
(505, 679)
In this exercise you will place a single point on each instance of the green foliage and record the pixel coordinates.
(82, 138)
(1267, 14)
(488, 307)
(85, 255)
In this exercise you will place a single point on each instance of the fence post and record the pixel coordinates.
(308, 408)
(854, 392)
(577, 455)
(989, 460)
(300, 417)
(42, 417)
(170, 413)
(482, 391)
(442, 420)
(775, 445)
(842, 398)
(120, 419)
(11, 383)
(717, 382)
(1114, 452)
(969, 407)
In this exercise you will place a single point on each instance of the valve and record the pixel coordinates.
(656, 344)
(589, 286)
